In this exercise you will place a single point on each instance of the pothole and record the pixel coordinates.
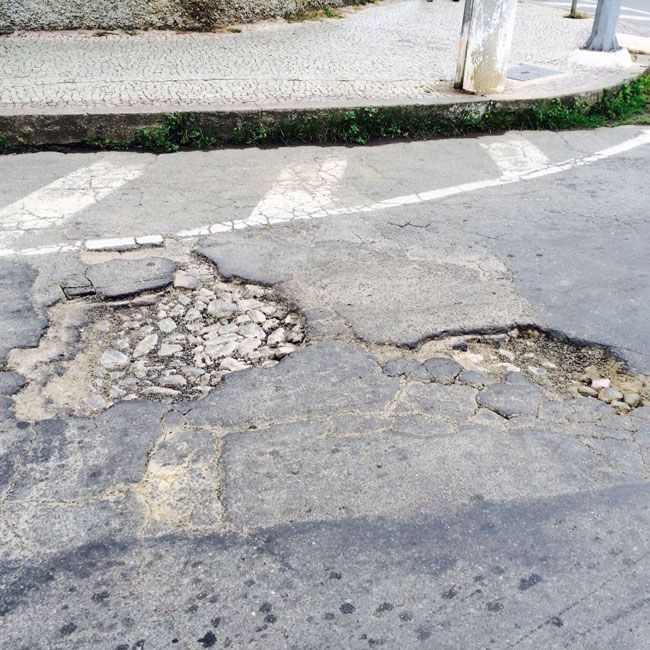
(562, 368)
(170, 346)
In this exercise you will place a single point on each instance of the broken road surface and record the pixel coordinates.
(327, 398)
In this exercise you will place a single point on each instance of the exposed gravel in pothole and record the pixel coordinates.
(170, 346)
(191, 338)
(565, 370)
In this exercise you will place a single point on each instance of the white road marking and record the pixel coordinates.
(53, 204)
(302, 191)
(642, 139)
(320, 210)
(515, 156)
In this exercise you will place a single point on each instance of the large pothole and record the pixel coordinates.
(563, 368)
(168, 346)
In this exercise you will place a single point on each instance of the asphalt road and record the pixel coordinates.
(332, 500)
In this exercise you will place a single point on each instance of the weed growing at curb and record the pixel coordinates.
(304, 15)
(627, 104)
(365, 125)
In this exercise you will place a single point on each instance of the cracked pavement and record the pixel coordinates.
(357, 494)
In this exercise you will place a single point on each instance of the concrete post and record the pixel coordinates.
(485, 44)
(603, 33)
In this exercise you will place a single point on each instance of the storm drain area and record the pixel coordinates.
(168, 346)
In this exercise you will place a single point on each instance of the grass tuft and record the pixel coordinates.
(628, 104)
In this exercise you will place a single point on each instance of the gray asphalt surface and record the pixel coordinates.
(327, 502)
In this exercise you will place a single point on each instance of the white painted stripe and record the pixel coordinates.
(116, 244)
(301, 192)
(515, 156)
(640, 140)
(51, 205)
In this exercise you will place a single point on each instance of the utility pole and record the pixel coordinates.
(603, 33)
(485, 43)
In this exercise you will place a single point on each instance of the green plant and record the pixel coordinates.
(627, 104)
(178, 130)
(328, 12)
(364, 125)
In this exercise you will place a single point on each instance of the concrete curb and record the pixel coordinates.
(79, 130)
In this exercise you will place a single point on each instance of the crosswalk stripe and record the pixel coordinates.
(59, 200)
(301, 191)
(325, 180)
(515, 156)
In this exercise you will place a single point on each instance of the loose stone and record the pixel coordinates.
(192, 314)
(208, 294)
(587, 391)
(167, 325)
(621, 407)
(247, 346)
(114, 360)
(632, 399)
(248, 304)
(284, 350)
(295, 336)
(277, 338)
(223, 350)
(145, 346)
(597, 384)
(167, 349)
(173, 381)
(232, 364)
(221, 309)
(608, 395)
(256, 316)
(252, 330)
(254, 291)
(184, 280)
(193, 372)
(230, 328)
(269, 310)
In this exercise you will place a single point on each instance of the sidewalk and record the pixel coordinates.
(394, 52)
(61, 88)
